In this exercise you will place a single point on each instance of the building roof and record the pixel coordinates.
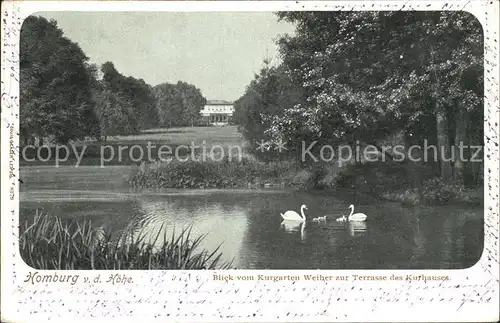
(211, 109)
(219, 102)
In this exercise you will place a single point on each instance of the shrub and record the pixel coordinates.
(410, 183)
(436, 192)
(213, 174)
(382, 177)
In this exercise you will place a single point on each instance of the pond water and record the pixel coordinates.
(248, 223)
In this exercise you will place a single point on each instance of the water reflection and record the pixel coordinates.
(222, 225)
(294, 227)
(356, 228)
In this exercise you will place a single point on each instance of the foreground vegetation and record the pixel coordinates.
(49, 243)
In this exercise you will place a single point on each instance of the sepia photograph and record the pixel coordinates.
(251, 140)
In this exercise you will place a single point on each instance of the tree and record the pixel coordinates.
(55, 91)
(369, 74)
(266, 98)
(178, 104)
(137, 92)
(116, 114)
(167, 105)
(192, 102)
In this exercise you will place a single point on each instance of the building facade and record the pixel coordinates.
(217, 113)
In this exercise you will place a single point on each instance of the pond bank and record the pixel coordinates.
(410, 184)
(407, 183)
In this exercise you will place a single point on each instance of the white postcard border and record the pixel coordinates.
(194, 296)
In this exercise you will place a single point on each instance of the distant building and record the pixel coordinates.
(217, 112)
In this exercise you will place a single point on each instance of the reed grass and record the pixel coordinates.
(50, 243)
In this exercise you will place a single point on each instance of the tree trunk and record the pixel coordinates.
(355, 154)
(443, 142)
(443, 137)
(460, 129)
(381, 150)
(476, 170)
(474, 167)
(26, 139)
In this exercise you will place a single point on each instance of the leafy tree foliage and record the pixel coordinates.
(116, 114)
(178, 104)
(55, 85)
(136, 93)
(367, 75)
(266, 98)
(64, 98)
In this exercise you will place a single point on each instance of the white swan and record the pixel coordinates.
(294, 216)
(356, 216)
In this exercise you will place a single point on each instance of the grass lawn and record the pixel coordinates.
(226, 137)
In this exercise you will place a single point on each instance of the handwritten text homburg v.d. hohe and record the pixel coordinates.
(113, 279)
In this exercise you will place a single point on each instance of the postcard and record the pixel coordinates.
(250, 161)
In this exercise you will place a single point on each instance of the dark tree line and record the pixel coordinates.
(63, 98)
(55, 85)
(364, 76)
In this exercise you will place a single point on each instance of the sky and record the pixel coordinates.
(218, 52)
